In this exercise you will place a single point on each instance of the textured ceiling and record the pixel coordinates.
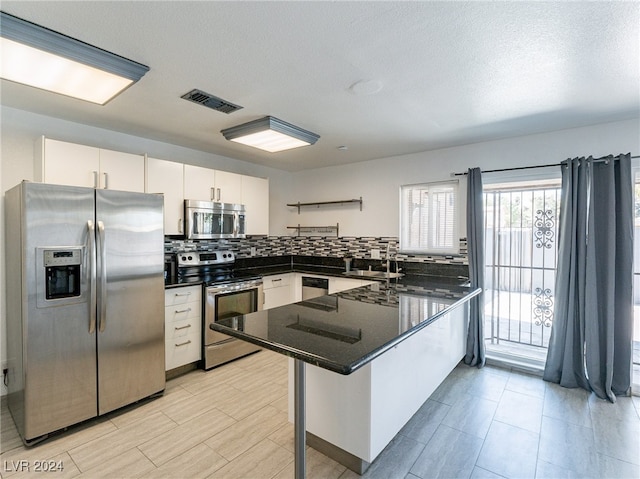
(450, 73)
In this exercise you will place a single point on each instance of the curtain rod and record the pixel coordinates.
(604, 158)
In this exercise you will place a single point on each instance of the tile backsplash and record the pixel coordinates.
(325, 246)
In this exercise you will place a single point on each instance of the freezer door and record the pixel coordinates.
(58, 362)
(130, 295)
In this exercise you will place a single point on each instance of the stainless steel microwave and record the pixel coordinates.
(211, 220)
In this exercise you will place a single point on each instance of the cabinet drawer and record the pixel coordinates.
(182, 328)
(180, 312)
(184, 295)
(276, 281)
(181, 351)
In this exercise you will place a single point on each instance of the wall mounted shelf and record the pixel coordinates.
(318, 204)
(332, 229)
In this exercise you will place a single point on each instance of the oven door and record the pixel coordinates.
(223, 302)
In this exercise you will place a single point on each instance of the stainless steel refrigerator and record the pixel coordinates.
(85, 303)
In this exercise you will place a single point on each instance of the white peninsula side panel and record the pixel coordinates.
(362, 412)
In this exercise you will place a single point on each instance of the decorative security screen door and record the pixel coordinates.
(521, 256)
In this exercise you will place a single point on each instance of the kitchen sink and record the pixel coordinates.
(363, 273)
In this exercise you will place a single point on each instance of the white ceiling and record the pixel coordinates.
(451, 73)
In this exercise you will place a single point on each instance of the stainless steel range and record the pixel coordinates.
(225, 296)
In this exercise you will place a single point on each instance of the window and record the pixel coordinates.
(429, 218)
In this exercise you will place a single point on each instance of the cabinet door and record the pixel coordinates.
(121, 171)
(199, 183)
(277, 297)
(278, 290)
(228, 187)
(255, 198)
(70, 164)
(342, 284)
(166, 177)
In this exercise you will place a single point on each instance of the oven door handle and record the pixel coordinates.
(231, 288)
(213, 290)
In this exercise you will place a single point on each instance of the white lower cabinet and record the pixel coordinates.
(336, 284)
(183, 326)
(286, 288)
(278, 290)
(362, 412)
(342, 284)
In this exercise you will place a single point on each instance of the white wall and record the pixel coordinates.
(378, 181)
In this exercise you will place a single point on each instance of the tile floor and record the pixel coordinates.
(231, 422)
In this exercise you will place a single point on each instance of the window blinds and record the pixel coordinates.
(429, 218)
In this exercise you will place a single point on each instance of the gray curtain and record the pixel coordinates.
(475, 355)
(591, 336)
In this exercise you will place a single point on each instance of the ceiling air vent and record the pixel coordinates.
(210, 101)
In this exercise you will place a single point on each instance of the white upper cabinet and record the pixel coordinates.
(228, 187)
(166, 177)
(215, 185)
(255, 198)
(63, 163)
(121, 171)
(212, 185)
(199, 183)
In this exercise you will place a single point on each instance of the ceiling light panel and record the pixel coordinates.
(45, 59)
(270, 134)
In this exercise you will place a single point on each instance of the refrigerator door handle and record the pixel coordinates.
(103, 278)
(91, 239)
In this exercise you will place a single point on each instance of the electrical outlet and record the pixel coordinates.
(375, 253)
(253, 251)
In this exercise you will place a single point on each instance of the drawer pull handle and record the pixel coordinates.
(183, 344)
(183, 310)
(182, 327)
(274, 280)
(184, 294)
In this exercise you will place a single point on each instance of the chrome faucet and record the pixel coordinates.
(387, 263)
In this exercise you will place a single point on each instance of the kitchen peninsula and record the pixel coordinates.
(370, 357)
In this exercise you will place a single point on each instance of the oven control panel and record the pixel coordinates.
(204, 258)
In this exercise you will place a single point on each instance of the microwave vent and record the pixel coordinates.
(210, 101)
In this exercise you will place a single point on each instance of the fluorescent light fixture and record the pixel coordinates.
(45, 59)
(270, 134)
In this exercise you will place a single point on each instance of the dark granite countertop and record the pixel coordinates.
(344, 331)
(328, 266)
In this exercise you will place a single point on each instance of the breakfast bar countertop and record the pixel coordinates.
(344, 331)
